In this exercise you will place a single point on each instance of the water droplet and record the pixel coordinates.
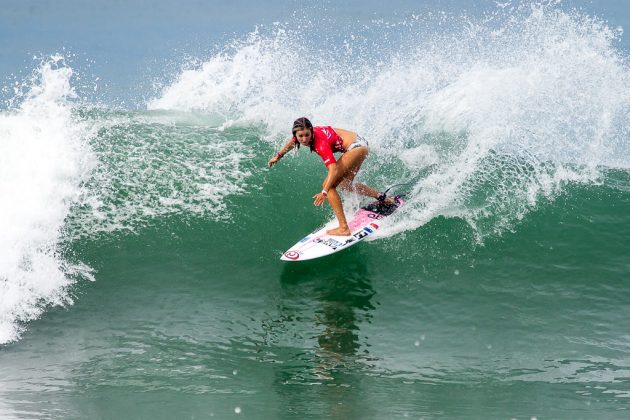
(237, 410)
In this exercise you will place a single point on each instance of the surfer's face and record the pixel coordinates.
(303, 136)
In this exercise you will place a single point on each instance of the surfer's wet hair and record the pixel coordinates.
(301, 124)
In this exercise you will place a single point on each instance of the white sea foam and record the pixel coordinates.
(152, 166)
(43, 158)
(504, 109)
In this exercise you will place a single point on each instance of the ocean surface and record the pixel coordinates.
(141, 229)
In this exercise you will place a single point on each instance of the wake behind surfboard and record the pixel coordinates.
(364, 223)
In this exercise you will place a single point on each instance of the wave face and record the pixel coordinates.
(489, 116)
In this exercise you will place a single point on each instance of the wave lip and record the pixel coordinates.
(44, 159)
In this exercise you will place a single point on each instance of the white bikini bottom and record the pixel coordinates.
(358, 142)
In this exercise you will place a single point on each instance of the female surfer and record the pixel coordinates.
(326, 141)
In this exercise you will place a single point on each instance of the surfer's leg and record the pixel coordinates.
(335, 202)
(358, 188)
(349, 164)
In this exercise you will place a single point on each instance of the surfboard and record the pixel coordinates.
(365, 222)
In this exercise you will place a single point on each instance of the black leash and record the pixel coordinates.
(382, 196)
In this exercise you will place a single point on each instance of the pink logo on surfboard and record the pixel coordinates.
(292, 255)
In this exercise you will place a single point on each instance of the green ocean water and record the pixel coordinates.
(193, 315)
(140, 272)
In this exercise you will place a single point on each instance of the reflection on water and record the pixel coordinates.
(322, 308)
(345, 303)
(340, 299)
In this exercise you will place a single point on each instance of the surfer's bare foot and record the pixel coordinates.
(340, 231)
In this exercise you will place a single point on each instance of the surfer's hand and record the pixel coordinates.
(319, 199)
(273, 161)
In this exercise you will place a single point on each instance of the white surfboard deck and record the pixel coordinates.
(366, 221)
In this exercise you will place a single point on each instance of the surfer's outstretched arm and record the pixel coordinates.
(285, 149)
